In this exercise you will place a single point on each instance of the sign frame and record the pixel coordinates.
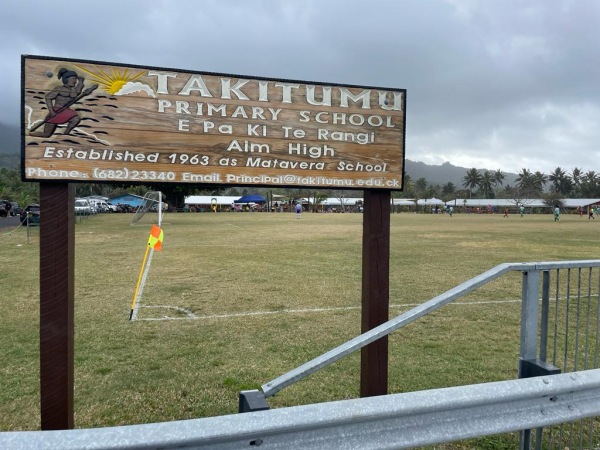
(318, 135)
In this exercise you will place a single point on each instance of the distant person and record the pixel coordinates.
(506, 213)
(298, 210)
(521, 210)
(451, 211)
(591, 213)
(557, 214)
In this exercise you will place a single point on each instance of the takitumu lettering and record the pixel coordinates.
(272, 91)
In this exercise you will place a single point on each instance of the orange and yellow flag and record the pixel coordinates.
(156, 238)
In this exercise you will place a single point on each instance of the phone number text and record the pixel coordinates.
(126, 174)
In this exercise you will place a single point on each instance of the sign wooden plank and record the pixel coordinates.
(375, 291)
(86, 121)
(57, 305)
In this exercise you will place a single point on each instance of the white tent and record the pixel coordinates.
(402, 202)
(430, 201)
(497, 202)
(580, 202)
(526, 202)
(210, 199)
(333, 201)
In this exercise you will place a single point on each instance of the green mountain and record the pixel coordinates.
(10, 146)
(445, 173)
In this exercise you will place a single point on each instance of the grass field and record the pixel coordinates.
(236, 299)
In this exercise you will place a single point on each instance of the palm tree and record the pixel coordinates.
(409, 187)
(561, 182)
(421, 187)
(498, 177)
(486, 183)
(576, 174)
(472, 179)
(13, 189)
(448, 190)
(524, 178)
(539, 181)
(589, 185)
(526, 184)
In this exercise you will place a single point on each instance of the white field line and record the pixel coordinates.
(191, 316)
(243, 245)
(230, 224)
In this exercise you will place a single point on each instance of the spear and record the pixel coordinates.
(85, 93)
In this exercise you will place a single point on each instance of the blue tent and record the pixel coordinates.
(127, 199)
(254, 198)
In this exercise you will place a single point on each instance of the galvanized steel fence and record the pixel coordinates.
(567, 340)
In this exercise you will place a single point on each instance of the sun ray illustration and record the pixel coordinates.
(111, 82)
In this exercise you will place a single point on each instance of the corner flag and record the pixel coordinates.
(156, 238)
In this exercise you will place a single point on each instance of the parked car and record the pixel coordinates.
(31, 214)
(16, 209)
(111, 207)
(82, 207)
(105, 207)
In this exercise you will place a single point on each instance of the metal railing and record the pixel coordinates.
(387, 422)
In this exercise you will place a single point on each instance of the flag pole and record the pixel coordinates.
(137, 287)
(154, 243)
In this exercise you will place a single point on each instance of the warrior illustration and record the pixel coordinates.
(59, 99)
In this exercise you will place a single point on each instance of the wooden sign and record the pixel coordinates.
(85, 121)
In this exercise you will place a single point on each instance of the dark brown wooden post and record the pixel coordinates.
(375, 290)
(57, 282)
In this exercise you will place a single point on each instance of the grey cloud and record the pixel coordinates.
(484, 78)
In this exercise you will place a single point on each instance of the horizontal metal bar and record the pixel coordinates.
(551, 265)
(389, 421)
(272, 387)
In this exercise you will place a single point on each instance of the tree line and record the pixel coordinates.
(476, 183)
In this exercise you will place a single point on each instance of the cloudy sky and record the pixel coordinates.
(490, 84)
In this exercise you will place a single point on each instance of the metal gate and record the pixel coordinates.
(560, 333)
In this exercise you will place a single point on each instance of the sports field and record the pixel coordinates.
(236, 299)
